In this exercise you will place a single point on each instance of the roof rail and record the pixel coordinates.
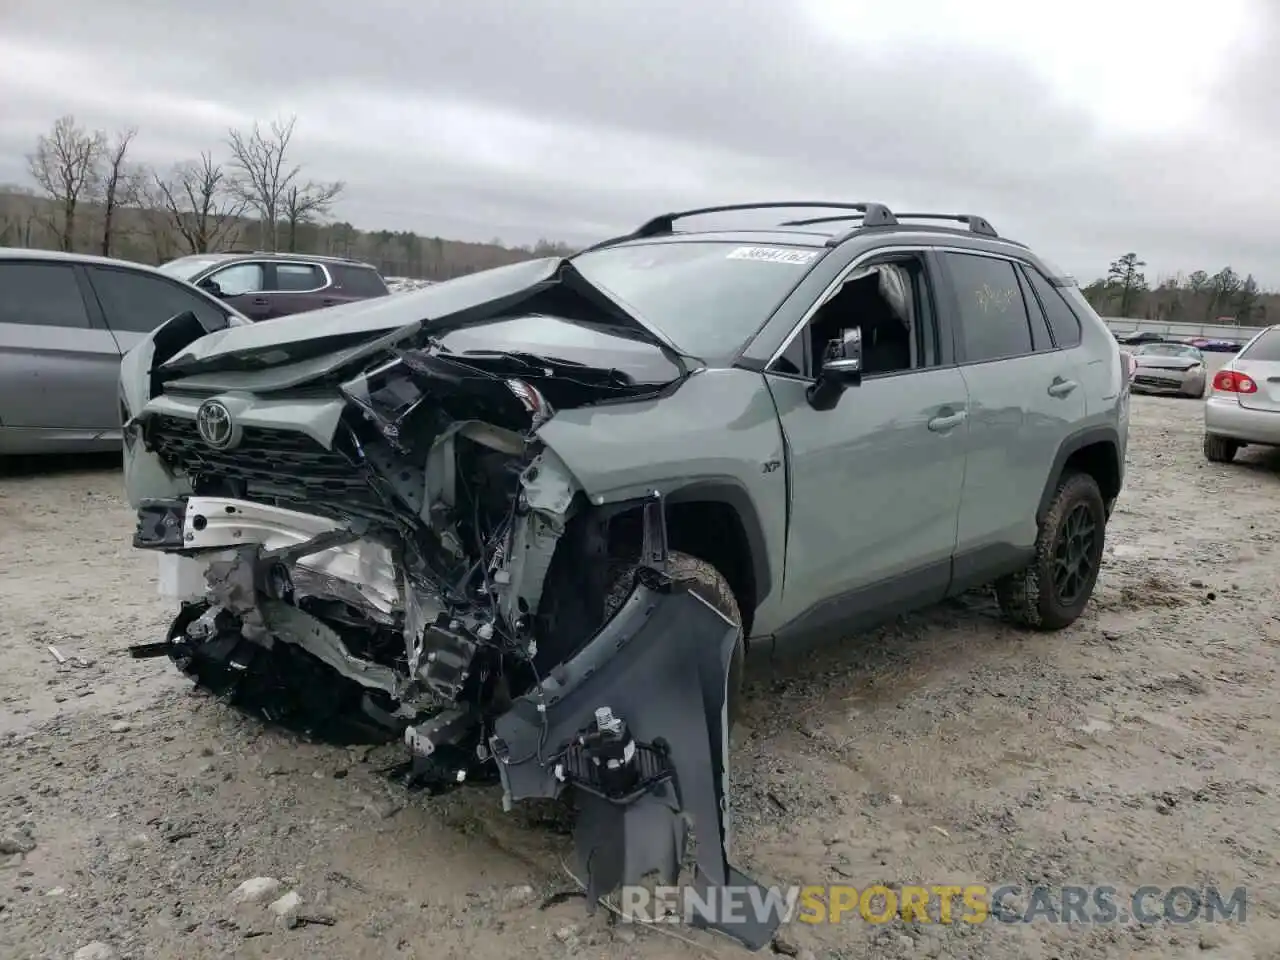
(872, 214)
(244, 251)
(975, 224)
(869, 216)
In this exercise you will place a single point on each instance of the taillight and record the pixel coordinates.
(1231, 381)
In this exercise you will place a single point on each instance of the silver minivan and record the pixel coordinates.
(65, 321)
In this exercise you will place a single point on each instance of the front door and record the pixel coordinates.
(135, 303)
(875, 482)
(244, 287)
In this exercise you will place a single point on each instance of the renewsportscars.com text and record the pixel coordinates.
(940, 903)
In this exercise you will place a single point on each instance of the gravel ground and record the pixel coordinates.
(1138, 747)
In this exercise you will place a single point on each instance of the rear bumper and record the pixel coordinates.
(1226, 418)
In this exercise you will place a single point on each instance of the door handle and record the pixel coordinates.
(948, 421)
(260, 301)
(1060, 387)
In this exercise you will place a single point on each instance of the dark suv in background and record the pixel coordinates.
(263, 285)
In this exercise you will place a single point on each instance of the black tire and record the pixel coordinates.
(1053, 590)
(709, 584)
(1220, 449)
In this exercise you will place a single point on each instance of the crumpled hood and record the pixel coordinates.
(442, 306)
(1165, 363)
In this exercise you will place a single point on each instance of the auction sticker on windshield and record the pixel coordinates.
(772, 254)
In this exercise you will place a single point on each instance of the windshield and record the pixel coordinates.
(1169, 350)
(186, 267)
(707, 297)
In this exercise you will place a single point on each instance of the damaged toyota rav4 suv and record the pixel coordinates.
(530, 520)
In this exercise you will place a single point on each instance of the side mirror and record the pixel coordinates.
(841, 368)
(210, 285)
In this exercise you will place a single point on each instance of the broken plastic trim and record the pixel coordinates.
(662, 665)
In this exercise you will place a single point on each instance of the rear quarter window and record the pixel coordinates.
(1062, 319)
(358, 281)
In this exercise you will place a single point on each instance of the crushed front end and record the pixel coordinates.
(388, 551)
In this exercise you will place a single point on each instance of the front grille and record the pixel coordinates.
(1147, 380)
(281, 468)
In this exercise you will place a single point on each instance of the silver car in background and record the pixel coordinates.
(65, 321)
(1169, 368)
(1244, 405)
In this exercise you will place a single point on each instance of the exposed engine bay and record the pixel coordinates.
(435, 574)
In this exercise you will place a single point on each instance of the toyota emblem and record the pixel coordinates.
(215, 426)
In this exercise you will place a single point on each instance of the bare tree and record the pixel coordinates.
(307, 204)
(200, 203)
(119, 185)
(262, 173)
(65, 165)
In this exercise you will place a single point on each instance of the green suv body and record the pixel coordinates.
(551, 505)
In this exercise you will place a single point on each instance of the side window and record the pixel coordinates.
(1040, 339)
(888, 302)
(239, 279)
(138, 302)
(1062, 319)
(358, 281)
(298, 277)
(43, 294)
(993, 318)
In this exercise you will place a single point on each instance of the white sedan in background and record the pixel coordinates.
(1169, 368)
(1244, 403)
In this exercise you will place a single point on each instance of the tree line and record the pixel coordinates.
(86, 193)
(1197, 297)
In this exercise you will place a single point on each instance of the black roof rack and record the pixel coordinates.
(869, 216)
(872, 214)
(974, 224)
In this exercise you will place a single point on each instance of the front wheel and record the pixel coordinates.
(703, 579)
(1053, 590)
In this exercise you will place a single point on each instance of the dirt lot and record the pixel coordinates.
(1139, 747)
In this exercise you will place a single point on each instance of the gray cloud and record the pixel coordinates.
(573, 118)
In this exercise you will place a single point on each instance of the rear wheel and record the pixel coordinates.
(1052, 591)
(1220, 449)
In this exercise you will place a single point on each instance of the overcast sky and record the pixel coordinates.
(1087, 129)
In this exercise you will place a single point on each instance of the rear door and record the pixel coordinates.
(58, 368)
(295, 288)
(351, 282)
(1026, 396)
(1260, 361)
(134, 303)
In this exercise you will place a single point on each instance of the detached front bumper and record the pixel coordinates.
(636, 723)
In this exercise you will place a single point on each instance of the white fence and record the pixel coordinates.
(1211, 331)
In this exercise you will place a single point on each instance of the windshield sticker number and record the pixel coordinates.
(772, 254)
